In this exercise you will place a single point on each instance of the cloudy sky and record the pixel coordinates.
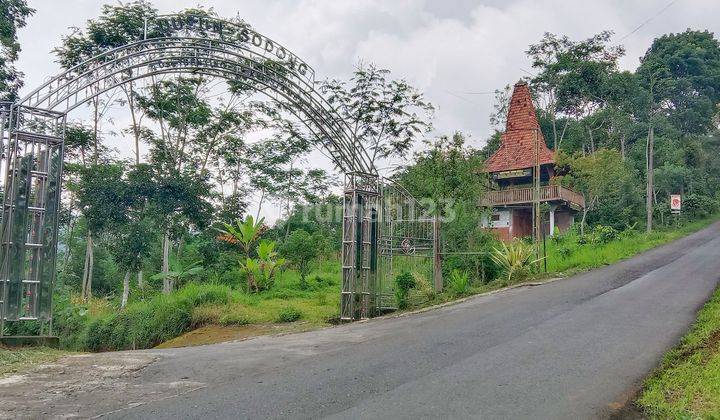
(454, 50)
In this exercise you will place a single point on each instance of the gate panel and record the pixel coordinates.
(33, 171)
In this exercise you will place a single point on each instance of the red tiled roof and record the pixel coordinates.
(517, 144)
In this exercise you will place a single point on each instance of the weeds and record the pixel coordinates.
(459, 282)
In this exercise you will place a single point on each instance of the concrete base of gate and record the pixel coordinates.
(30, 341)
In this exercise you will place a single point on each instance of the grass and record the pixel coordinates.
(145, 324)
(687, 383)
(18, 360)
(567, 256)
(100, 326)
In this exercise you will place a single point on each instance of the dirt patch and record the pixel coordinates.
(211, 334)
(60, 389)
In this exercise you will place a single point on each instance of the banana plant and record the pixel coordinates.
(244, 232)
(261, 271)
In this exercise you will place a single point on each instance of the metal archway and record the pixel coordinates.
(33, 136)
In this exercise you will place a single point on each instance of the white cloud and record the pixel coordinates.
(447, 48)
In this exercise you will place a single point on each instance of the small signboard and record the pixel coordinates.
(519, 173)
(675, 203)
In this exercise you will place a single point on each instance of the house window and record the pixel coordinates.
(495, 217)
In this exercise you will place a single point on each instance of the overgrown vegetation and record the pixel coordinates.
(686, 383)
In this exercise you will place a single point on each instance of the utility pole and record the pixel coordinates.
(536, 202)
(649, 150)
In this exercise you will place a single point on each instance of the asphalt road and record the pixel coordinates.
(574, 348)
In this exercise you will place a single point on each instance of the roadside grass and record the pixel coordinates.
(568, 256)
(101, 326)
(145, 324)
(687, 383)
(17, 360)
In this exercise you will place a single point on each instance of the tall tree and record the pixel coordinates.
(13, 15)
(572, 78)
(681, 72)
(386, 116)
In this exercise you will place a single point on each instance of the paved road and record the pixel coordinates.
(574, 348)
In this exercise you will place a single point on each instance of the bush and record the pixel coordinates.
(603, 234)
(515, 260)
(696, 205)
(235, 318)
(403, 283)
(422, 292)
(459, 282)
(147, 324)
(289, 314)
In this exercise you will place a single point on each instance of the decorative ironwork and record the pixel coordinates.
(33, 133)
(378, 214)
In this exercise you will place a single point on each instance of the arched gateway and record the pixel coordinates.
(33, 136)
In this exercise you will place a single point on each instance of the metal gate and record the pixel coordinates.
(385, 232)
(33, 145)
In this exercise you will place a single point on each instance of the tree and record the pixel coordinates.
(102, 199)
(606, 183)
(681, 72)
(385, 116)
(572, 77)
(13, 15)
(300, 249)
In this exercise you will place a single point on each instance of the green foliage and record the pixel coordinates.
(180, 272)
(245, 232)
(300, 249)
(143, 324)
(13, 15)
(289, 314)
(459, 282)
(516, 260)
(699, 206)
(261, 271)
(387, 116)
(403, 283)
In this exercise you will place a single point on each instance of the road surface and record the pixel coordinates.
(574, 348)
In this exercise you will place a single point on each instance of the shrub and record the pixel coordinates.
(289, 314)
(403, 283)
(147, 324)
(459, 282)
(515, 260)
(235, 318)
(422, 292)
(325, 281)
(603, 234)
(696, 205)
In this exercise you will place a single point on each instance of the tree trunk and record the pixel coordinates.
(141, 282)
(622, 146)
(136, 129)
(126, 289)
(167, 282)
(650, 186)
(88, 269)
(260, 203)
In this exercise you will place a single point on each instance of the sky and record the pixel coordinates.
(456, 51)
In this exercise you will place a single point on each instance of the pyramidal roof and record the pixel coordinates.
(517, 144)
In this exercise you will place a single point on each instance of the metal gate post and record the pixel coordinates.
(359, 247)
(30, 205)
